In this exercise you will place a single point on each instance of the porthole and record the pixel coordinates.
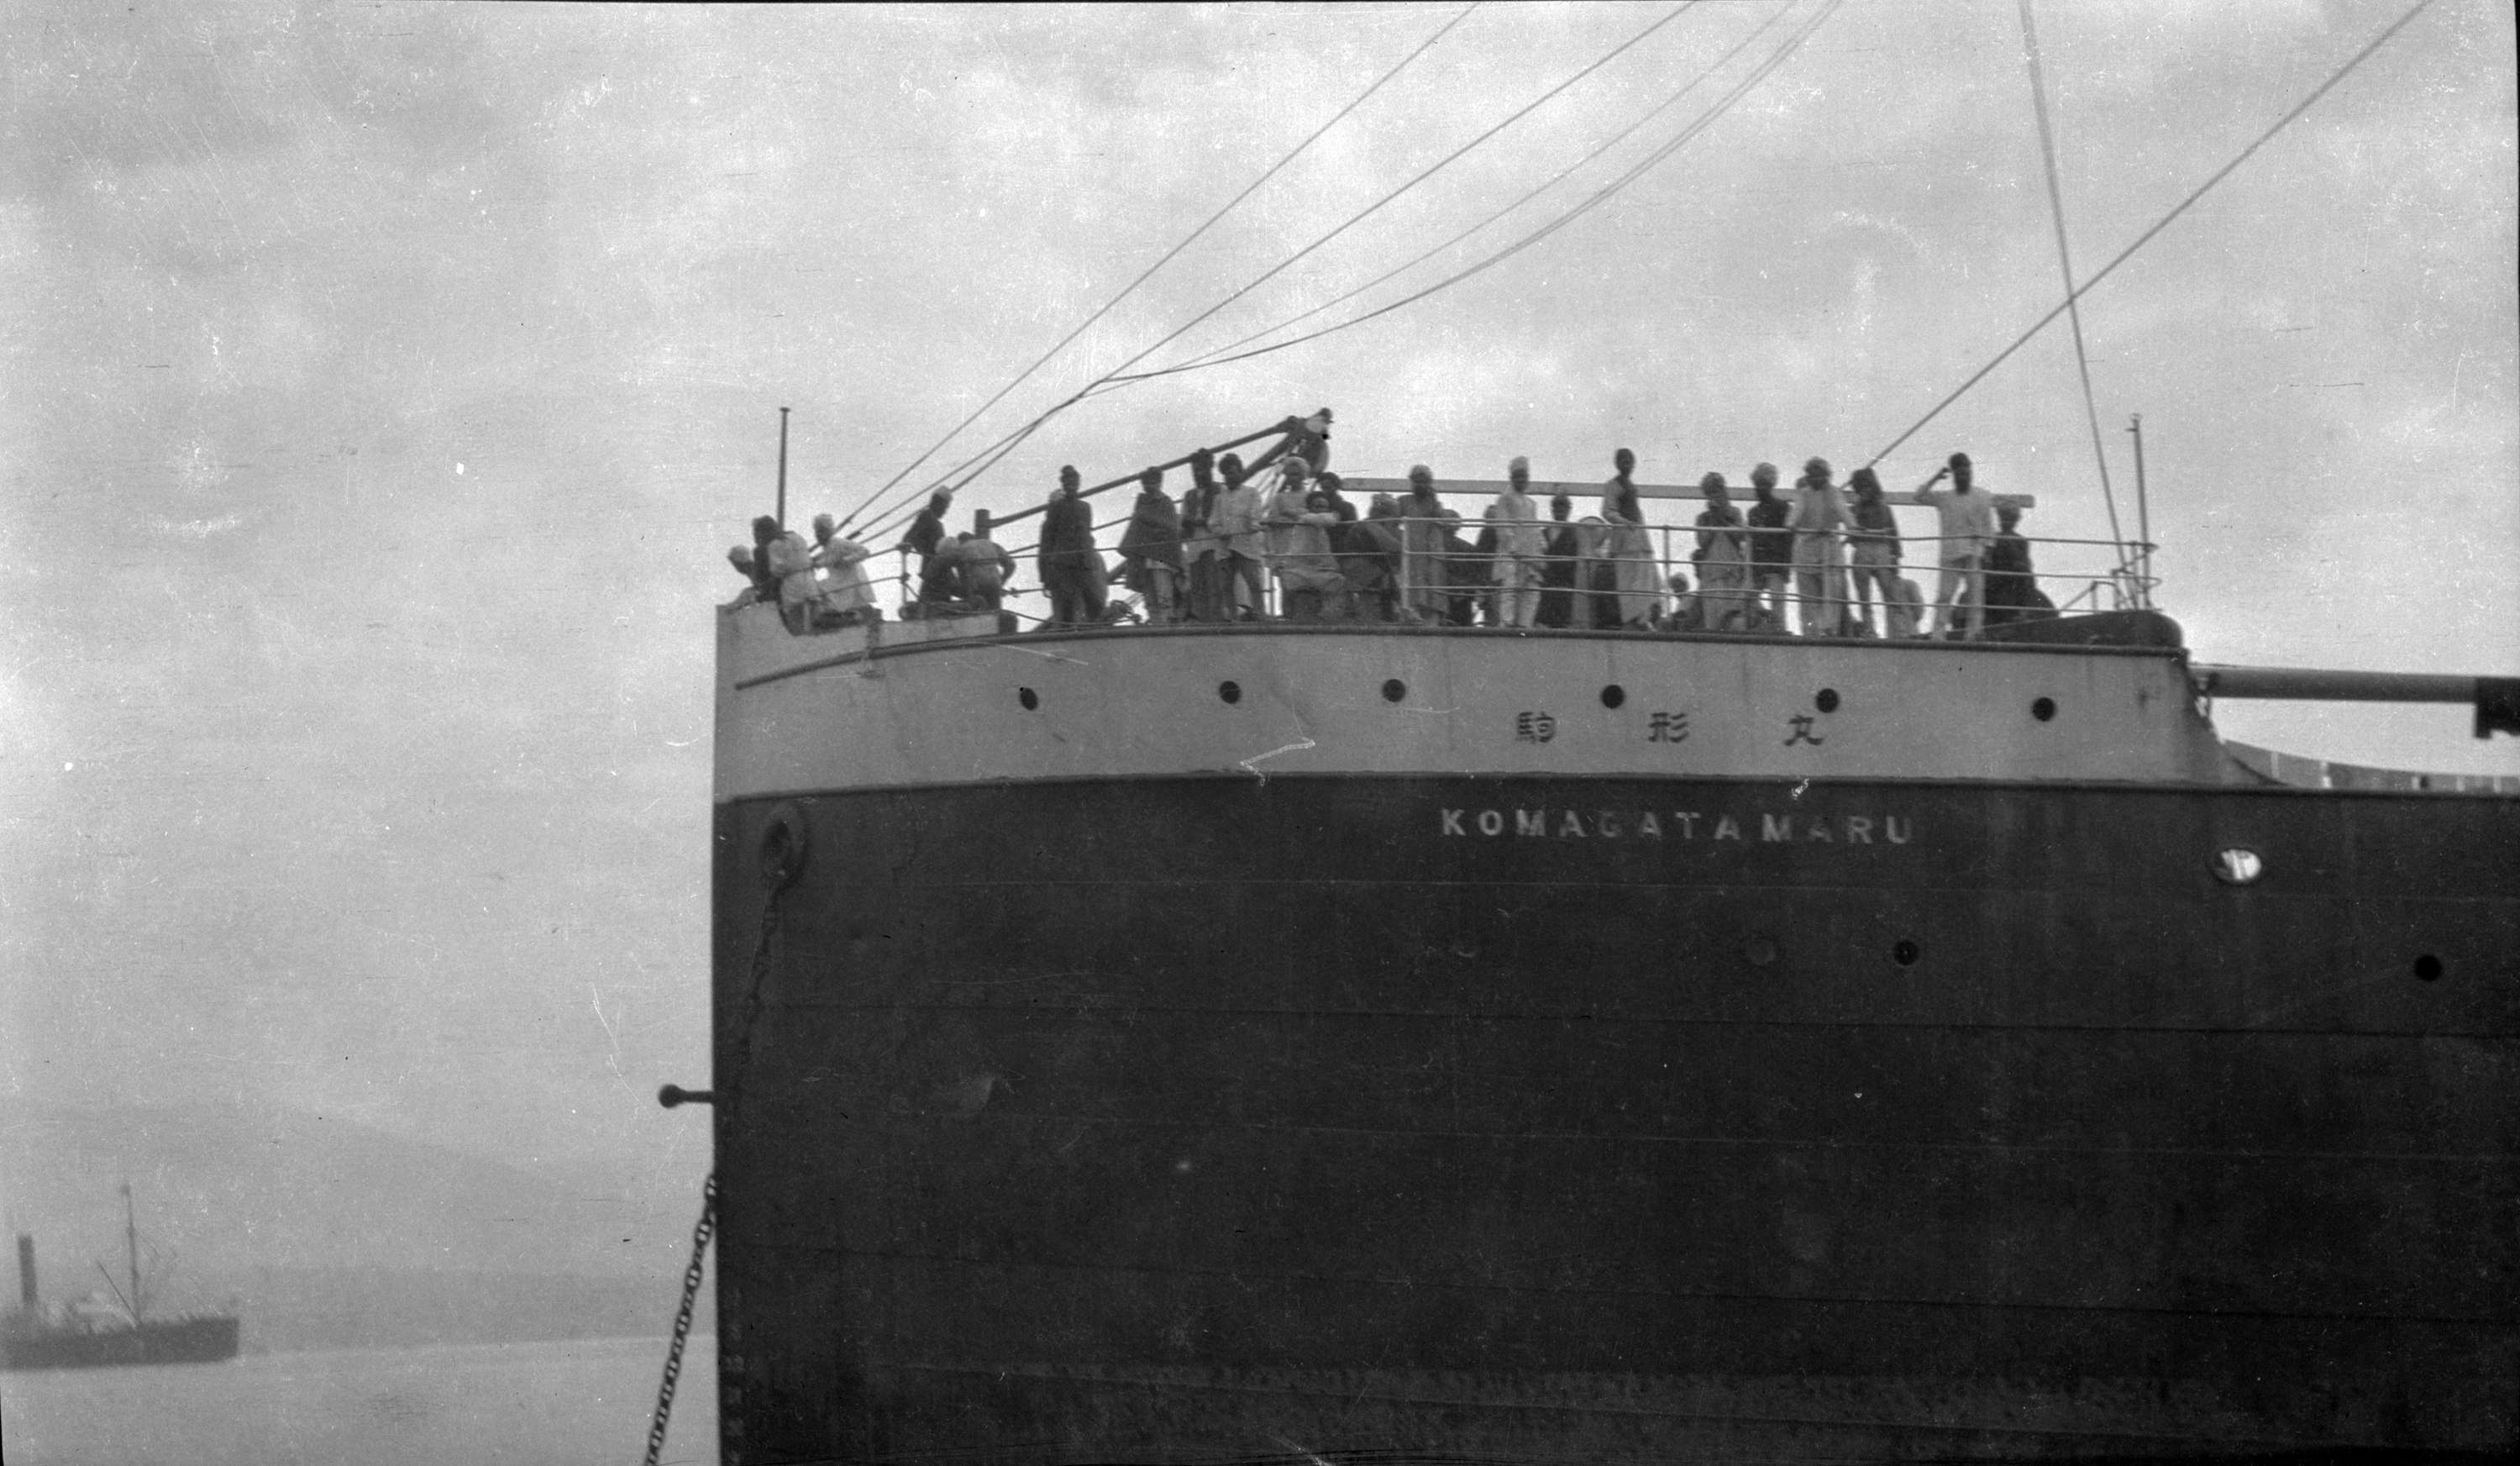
(1029, 698)
(2043, 709)
(1613, 695)
(2239, 865)
(1230, 692)
(1760, 951)
(1394, 690)
(2428, 968)
(1826, 702)
(1905, 952)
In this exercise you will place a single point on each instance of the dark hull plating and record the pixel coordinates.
(1488, 1119)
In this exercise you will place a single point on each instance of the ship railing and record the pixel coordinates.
(1432, 578)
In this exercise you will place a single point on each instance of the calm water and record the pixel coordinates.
(550, 1404)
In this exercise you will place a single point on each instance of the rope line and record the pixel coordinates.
(1657, 110)
(1187, 241)
(2065, 259)
(1603, 196)
(1118, 375)
(1614, 53)
(2145, 238)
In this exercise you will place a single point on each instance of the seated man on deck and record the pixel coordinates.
(846, 597)
(786, 560)
(982, 568)
(2012, 592)
(756, 588)
(1686, 612)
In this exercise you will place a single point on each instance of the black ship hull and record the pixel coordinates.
(208, 1339)
(1617, 1118)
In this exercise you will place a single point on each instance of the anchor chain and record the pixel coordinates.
(682, 1319)
(777, 873)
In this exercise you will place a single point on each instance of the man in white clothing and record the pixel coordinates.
(845, 589)
(1521, 547)
(1967, 527)
(1819, 562)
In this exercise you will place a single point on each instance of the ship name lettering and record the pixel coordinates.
(1647, 824)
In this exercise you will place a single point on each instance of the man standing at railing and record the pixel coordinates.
(1632, 550)
(1301, 520)
(1072, 568)
(925, 537)
(1557, 564)
(1873, 535)
(1199, 549)
(1820, 566)
(1150, 549)
(1425, 588)
(1236, 524)
(1722, 558)
(1519, 547)
(1967, 525)
(1772, 551)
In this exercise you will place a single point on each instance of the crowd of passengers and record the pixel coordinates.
(1820, 561)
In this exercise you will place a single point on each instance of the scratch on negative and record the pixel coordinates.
(1797, 792)
(1045, 655)
(1290, 748)
(595, 996)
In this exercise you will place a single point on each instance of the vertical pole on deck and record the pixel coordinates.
(2142, 513)
(980, 523)
(131, 1240)
(782, 470)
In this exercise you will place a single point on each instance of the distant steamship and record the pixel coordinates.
(93, 1333)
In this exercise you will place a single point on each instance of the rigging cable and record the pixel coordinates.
(1125, 291)
(2065, 262)
(1116, 373)
(1561, 176)
(1603, 196)
(2164, 221)
(1359, 217)
(1739, 89)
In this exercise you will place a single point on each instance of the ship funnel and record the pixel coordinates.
(26, 1271)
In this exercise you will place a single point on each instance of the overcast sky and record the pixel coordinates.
(386, 382)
